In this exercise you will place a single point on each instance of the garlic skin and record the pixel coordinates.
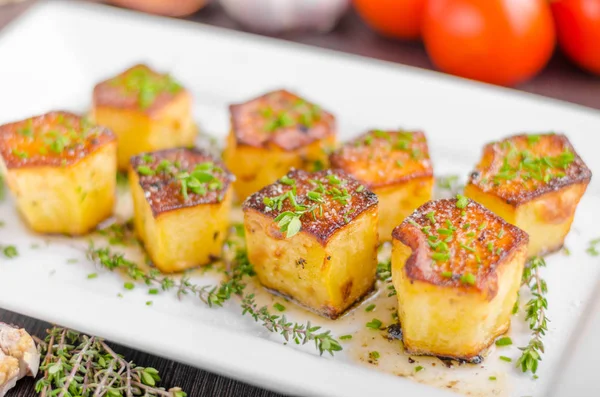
(275, 16)
(9, 373)
(18, 356)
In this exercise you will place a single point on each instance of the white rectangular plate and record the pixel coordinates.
(53, 56)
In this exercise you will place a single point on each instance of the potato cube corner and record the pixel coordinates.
(181, 202)
(61, 170)
(396, 166)
(534, 182)
(274, 133)
(456, 268)
(147, 110)
(312, 237)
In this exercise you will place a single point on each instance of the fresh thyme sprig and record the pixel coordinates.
(535, 315)
(594, 247)
(234, 284)
(299, 333)
(209, 294)
(75, 364)
(120, 233)
(384, 274)
(448, 185)
(384, 270)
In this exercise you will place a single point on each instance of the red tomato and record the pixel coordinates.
(497, 41)
(392, 18)
(578, 28)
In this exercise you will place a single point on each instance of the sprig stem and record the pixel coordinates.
(237, 269)
(79, 365)
(535, 315)
(299, 333)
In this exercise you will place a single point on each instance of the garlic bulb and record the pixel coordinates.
(273, 16)
(18, 356)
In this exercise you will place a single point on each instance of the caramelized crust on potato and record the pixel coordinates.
(282, 119)
(330, 200)
(313, 238)
(521, 168)
(61, 170)
(382, 158)
(395, 165)
(50, 140)
(182, 203)
(162, 174)
(138, 88)
(534, 182)
(461, 265)
(458, 244)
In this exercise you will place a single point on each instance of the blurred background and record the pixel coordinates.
(547, 47)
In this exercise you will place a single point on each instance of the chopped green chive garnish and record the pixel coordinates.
(129, 286)
(287, 181)
(431, 216)
(370, 308)
(507, 359)
(419, 368)
(374, 324)
(145, 170)
(461, 201)
(468, 278)
(279, 306)
(505, 341)
(470, 249)
(374, 355)
(492, 378)
(440, 256)
(346, 337)
(447, 274)
(92, 275)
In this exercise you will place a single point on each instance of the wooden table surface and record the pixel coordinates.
(560, 80)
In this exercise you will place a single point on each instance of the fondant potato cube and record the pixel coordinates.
(312, 237)
(274, 133)
(182, 201)
(457, 269)
(147, 110)
(534, 182)
(396, 166)
(61, 170)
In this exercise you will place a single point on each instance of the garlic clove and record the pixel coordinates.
(9, 373)
(19, 356)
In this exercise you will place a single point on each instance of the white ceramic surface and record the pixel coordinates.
(51, 58)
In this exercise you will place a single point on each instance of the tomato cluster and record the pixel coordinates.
(497, 41)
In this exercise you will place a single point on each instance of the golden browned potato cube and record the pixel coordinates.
(274, 133)
(61, 170)
(312, 237)
(457, 269)
(181, 201)
(395, 165)
(534, 182)
(147, 110)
